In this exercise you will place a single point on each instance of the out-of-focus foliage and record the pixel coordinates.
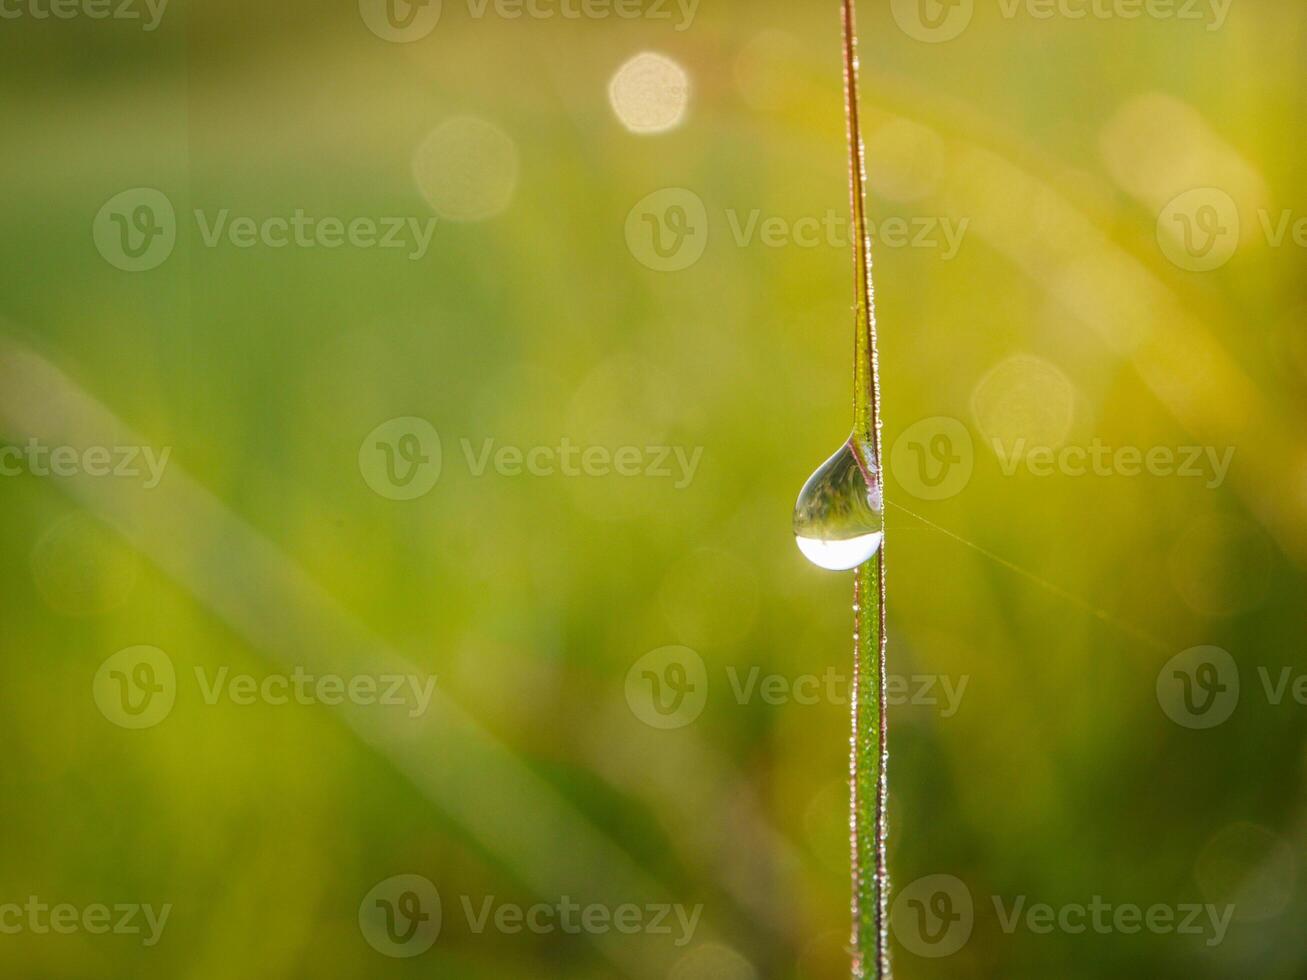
(1036, 292)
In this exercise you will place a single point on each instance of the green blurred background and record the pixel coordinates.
(1072, 313)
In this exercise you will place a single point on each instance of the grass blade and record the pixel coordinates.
(868, 747)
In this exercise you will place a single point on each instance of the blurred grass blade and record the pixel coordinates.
(266, 598)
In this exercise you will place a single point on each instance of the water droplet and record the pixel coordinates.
(838, 520)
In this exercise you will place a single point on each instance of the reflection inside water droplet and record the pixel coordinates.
(838, 520)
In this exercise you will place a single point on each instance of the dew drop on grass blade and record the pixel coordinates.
(839, 525)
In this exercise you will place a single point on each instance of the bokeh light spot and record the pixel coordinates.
(467, 169)
(1024, 403)
(650, 93)
(712, 961)
(1249, 867)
